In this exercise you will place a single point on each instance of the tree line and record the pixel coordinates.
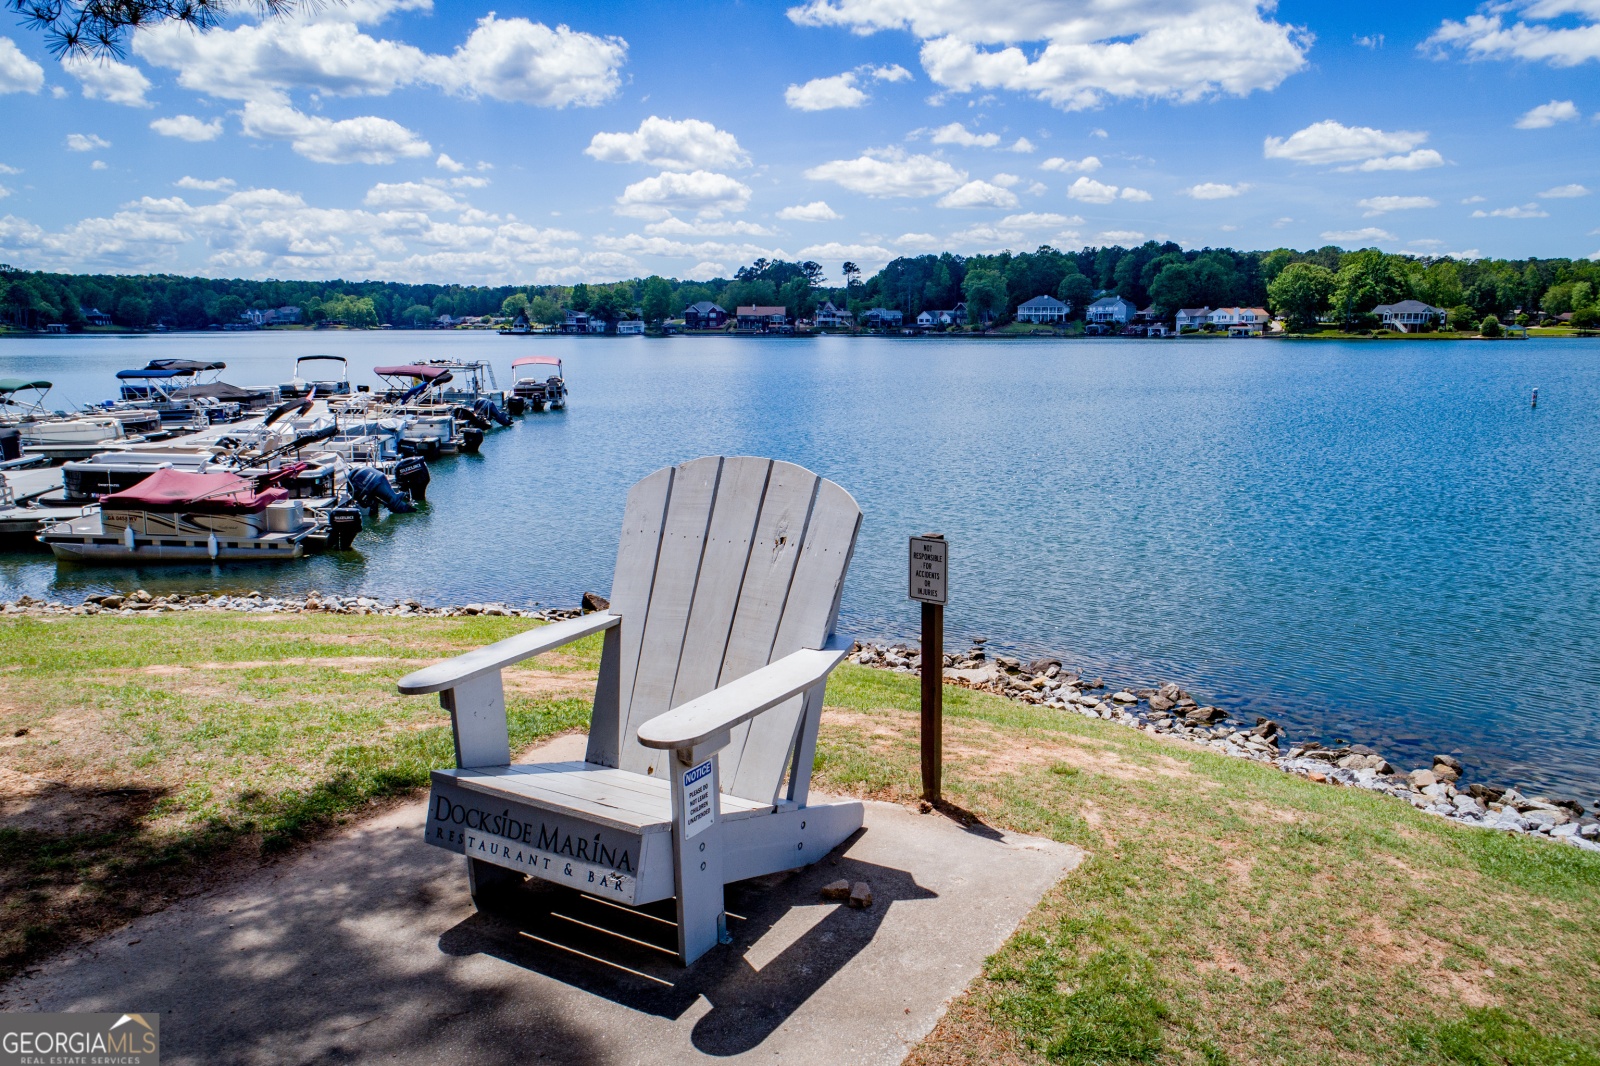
(1322, 285)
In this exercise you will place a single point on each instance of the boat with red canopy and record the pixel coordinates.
(181, 516)
(536, 388)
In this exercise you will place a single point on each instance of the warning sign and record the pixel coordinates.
(698, 809)
(929, 572)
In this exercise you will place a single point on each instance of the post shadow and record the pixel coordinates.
(626, 955)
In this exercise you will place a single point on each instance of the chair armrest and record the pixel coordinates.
(721, 709)
(503, 653)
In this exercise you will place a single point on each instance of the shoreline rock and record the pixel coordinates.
(1167, 711)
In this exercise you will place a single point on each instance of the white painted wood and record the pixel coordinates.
(808, 620)
(683, 536)
(605, 720)
(652, 788)
(697, 870)
(631, 584)
(773, 552)
(739, 701)
(478, 719)
(503, 653)
(754, 847)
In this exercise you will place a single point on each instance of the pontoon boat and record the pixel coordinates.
(531, 390)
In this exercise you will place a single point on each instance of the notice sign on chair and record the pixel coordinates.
(697, 790)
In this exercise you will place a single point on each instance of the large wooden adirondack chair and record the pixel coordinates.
(718, 646)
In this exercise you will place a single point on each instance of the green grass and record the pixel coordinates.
(1228, 912)
(133, 781)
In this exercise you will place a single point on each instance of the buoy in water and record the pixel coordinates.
(1536, 397)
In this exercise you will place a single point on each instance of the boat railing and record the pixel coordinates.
(8, 498)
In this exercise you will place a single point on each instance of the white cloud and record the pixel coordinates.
(834, 250)
(106, 79)
(707, 193)
(918, 242)
(677, 227)
(9, 170)
(1006, 181)
(1358, 236)
(1371, 41)
(528, 62)
(18, 73)
(188, 128)
(979, 194)
(690, 144)
(86, 142)
(4, 192)
(410, 196)
(1421, 159)
(98, 164)
(956, 133)
(815, 211)
(469, 181)
(204, 185)
(1490, 36)
(444, 162)
(1091, 192)
(1564, 192)
(1154, 49)
(1474, 199)
(1087, 165)
(1040, 220)
(706, 271)
(840, 90)
(890, 172)
(1379, 205)
(1120, 236)
(1333, 142)
(1097, 132)
(1214, 190)
(1523, 211)
(1022, 144)
(1138, 196)
(367, 139)
(1546, 115)
(324, 51)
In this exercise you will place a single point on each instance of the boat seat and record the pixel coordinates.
(617, 798)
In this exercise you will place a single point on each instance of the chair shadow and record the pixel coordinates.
(627, 955)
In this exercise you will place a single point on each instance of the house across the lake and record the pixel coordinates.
(1240, 321)
(762, 319)
(882, 318)
(574, 322)
(1043, 309)
(704, 315)
(833, 317)
(1191, 318)
(630, 327)
(1111, 310)
(1408, 316)
(96, 317)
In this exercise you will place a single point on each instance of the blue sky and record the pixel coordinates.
(404, 140)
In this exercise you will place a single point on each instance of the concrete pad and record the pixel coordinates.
(366, 947)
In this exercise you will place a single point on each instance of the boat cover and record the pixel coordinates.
(188, 366)
(216, 390)
(17, 384)
(411, 370)
(153, 372)
(180, 490)
(313, 358)
(548, 360)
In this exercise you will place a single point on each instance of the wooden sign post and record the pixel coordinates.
(929, 572)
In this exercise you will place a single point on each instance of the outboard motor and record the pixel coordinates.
(487, 409)
(471, 440)
(343, 525)
(10, 443)
(516, 405)
(370, 488)
(413, 477)
(472, 418)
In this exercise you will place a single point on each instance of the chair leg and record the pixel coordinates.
(697, 858)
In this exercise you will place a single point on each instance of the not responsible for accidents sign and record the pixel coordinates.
(929, 569)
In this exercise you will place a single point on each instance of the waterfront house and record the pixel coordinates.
(287, 315)
(1240, 320)
(96, 317)
(1191, 318)
(1408, 316)
(704, 315)
(630, 327)
(1043, 309)
(882, 318)
(521, 324)
(598, 324)
(762, 318)
(1111, 310)
(834, 317)
(942, 318)
(574, 322)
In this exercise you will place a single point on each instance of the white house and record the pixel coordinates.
(1043, 309)
(1111, 309)
(1252, 319)
(1408, 316)
(596, 325)
(1191, 318)
(829, 315)
(630, 327)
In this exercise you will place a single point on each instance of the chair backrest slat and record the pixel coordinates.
(725, 565)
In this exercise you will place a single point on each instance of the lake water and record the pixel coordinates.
(1379, 542)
